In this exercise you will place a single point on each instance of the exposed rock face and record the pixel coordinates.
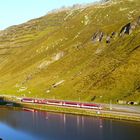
(129, 27)
(138, 20)
(53, 59)
(98, 36)
(94, 36)
(126, 29)
(108, 39)
(112, 34)
(101, 36)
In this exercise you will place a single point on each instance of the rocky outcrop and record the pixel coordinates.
(129, 27)
(101, 36)
(113, 34)
(98, 36)
(108, 39)
(126, 29)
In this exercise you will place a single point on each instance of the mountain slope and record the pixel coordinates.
(88, 54)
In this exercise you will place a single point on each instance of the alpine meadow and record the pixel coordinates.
(88, 53)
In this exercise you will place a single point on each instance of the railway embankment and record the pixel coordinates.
(106, 112)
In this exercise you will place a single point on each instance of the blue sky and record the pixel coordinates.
(13, 12)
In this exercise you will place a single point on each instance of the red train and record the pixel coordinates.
(62, 103)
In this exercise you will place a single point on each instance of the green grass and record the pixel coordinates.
(91, 70)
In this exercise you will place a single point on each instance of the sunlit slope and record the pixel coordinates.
(75, 54)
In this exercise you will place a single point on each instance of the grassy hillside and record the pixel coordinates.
(75, 54)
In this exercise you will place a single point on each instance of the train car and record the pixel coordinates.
(38, 101)
(44, 101)
(54, 102)
(90, 106)
(71, 104)
(27, 100)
